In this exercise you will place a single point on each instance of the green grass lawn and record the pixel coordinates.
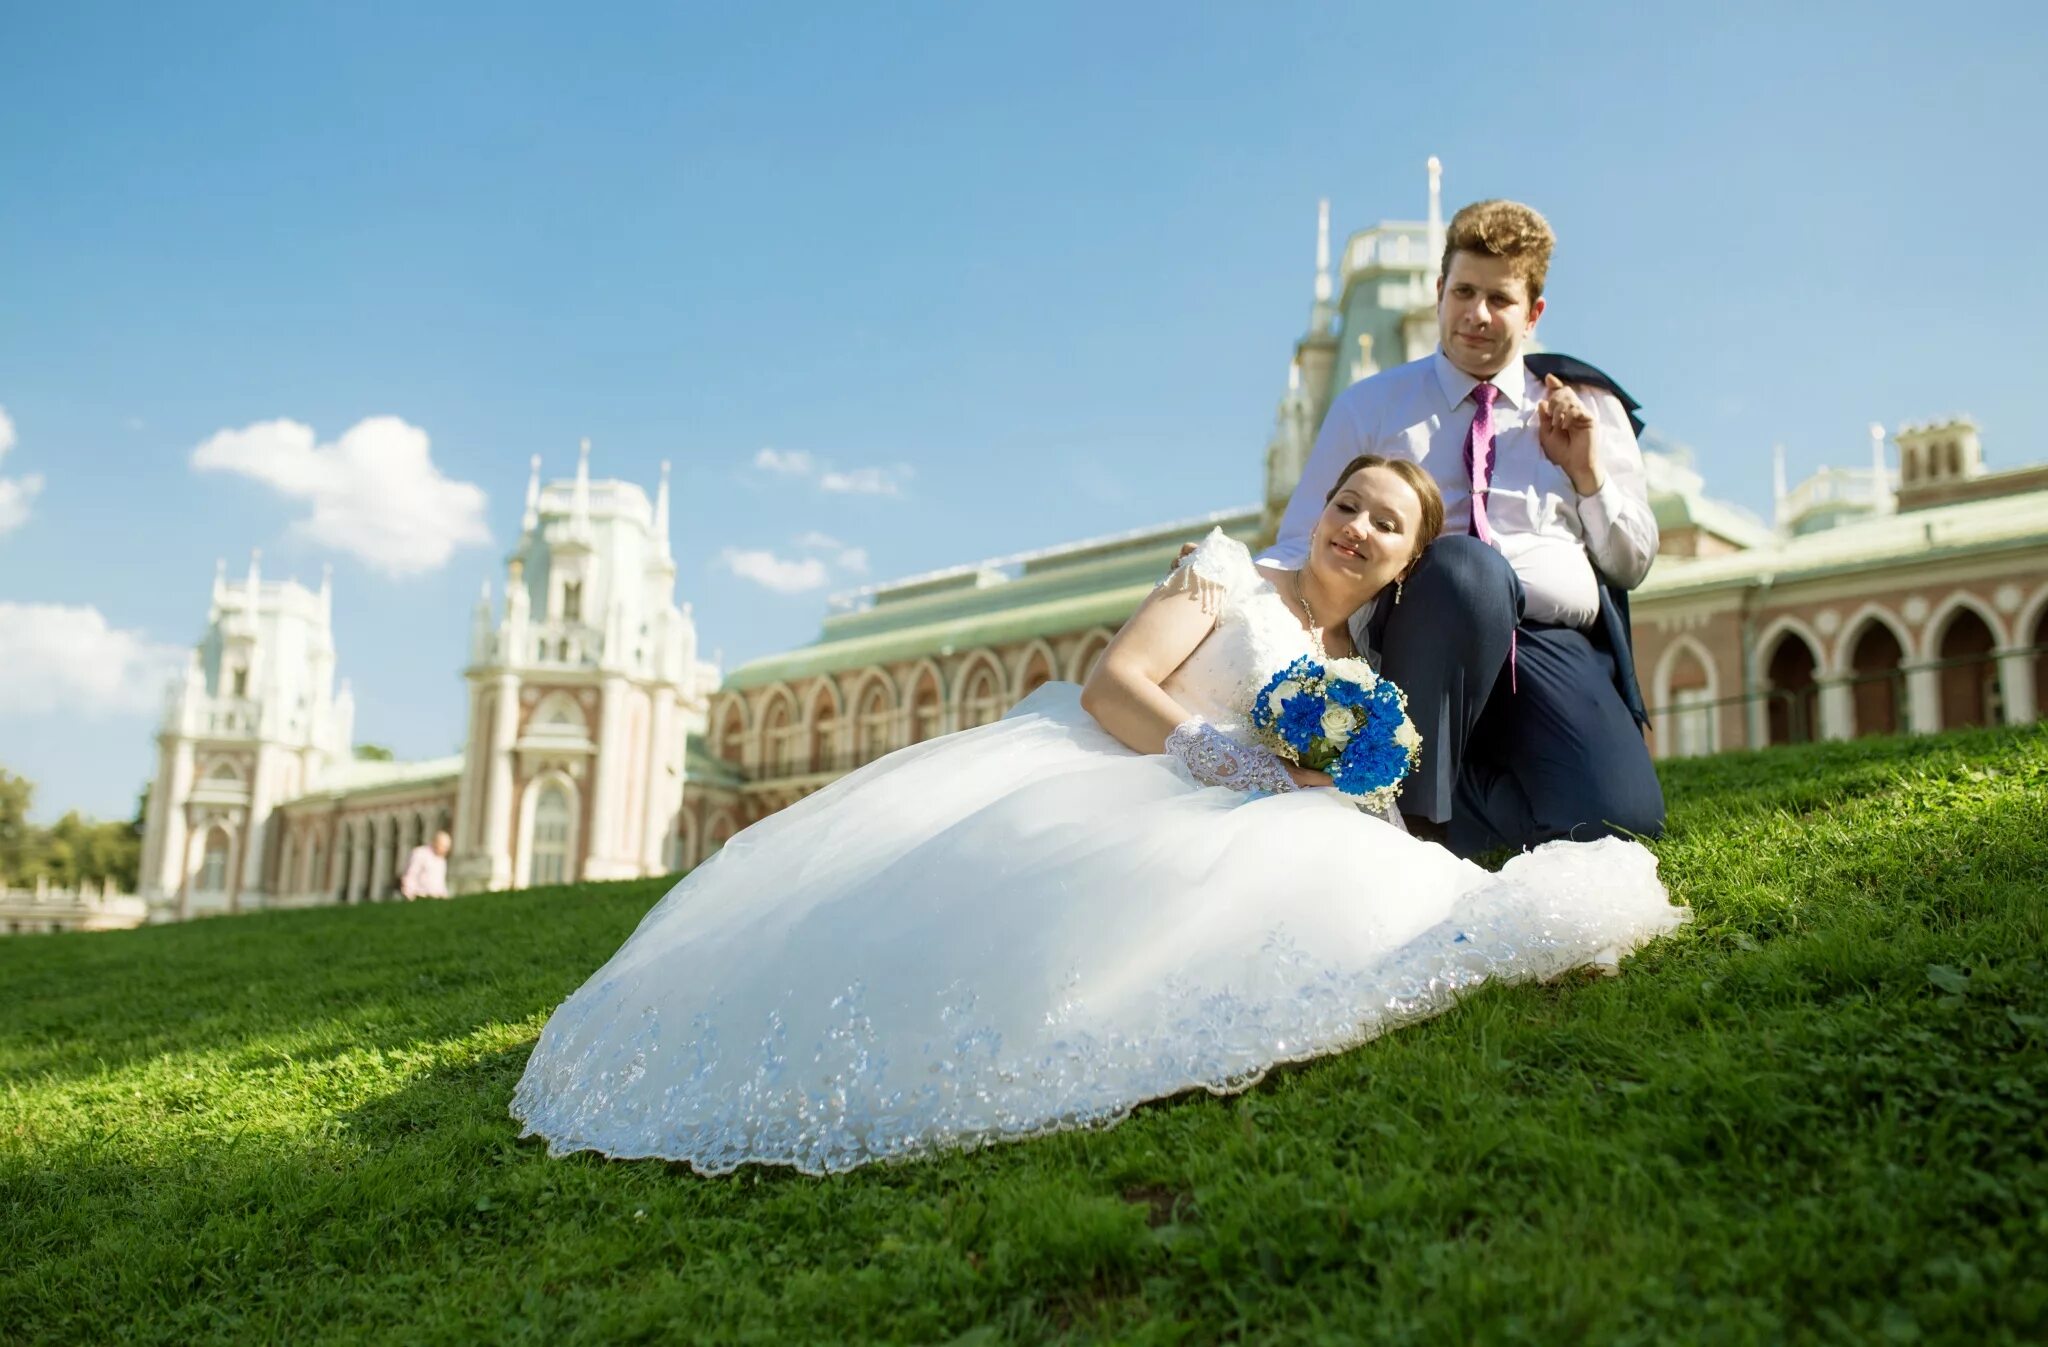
(1816, 1114)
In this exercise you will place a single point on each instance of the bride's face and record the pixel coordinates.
(1368, 532)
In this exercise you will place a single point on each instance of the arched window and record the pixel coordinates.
(1088, 655)
(722, 829)
(927, 710)
(1794, 707)
(1969, 673)
(1037, 673)
(732, 733)
(213, 864)
(1691, 714)
(824, 746)
(778, 739)
(2040, 643)
(981, 701)
(871, 723)
(345, 859)
(551, 835)
(1879, 689)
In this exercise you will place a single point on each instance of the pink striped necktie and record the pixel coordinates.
(1479, 460)
(1479, 470)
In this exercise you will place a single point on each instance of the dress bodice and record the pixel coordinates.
(1255, 634)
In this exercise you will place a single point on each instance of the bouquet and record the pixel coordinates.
(1342, 718)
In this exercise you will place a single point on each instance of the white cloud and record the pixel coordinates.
(866, 481)
(793, 463)
(374, 493)
(845, 482)
(16, 493)
(781, 574)
(62, 658)
(850, 559)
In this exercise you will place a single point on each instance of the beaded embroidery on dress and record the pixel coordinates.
(1027, 927)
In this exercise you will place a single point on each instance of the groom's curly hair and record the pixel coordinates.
(1505, 229)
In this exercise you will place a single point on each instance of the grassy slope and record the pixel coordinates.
(1817, 1114)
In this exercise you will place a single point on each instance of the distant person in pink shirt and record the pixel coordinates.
(426, 870)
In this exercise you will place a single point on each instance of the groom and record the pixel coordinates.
(1510, 638)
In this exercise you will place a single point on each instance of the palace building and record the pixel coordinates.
(585, 690)
(1876, 601)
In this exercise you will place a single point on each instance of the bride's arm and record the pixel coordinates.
(1124, 693)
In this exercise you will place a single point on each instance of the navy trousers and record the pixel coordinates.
(1551, 753)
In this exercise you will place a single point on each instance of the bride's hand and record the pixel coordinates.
(1306, 779)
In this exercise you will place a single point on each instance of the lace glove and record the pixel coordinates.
(1216, 759)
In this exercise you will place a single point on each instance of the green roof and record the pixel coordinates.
(1914, 537)
(1099, 582)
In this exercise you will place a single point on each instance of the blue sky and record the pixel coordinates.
(1036, 268)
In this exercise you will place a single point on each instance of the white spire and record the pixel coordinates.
(532, 495)
(1294, 376)
(327, 593)
(1881, 477)
(661, 515)
(1778, 492)
(255, 578)
(1323, 251)
(582, 512)
(220, 578)
(1436, 212)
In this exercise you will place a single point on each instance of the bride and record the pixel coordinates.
(1109, 896)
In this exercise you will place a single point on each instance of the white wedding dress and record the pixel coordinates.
(1028, 927)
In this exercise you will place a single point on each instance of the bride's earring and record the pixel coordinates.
(1397, 591)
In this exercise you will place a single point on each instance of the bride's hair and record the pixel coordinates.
(1419, 481)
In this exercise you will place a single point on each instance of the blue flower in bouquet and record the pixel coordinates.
(1370, 762)
(1301, 720)
(1301, 673)
(1340, 718)
(1344, 692)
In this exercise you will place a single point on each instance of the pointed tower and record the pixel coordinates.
(582, 697)
(252, 721)
(1435, 237)
(1315, 356)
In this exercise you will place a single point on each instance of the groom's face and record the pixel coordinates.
(1483, 313)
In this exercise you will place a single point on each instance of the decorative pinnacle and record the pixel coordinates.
(1323, 251)
(1436, 211)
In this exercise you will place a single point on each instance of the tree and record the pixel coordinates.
(16, 793)
(372, 753)
(75, 850)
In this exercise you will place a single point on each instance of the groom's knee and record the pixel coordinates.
(1464, 575)
(1624, 805)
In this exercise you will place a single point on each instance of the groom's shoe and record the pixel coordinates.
(1428, 829)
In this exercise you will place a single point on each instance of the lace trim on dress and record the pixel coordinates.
(1215, 759)
(1218, 573)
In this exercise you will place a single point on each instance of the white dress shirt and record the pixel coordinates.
(1549, 533)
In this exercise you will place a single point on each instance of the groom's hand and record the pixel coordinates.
(1186, 550)
(1568, 432)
